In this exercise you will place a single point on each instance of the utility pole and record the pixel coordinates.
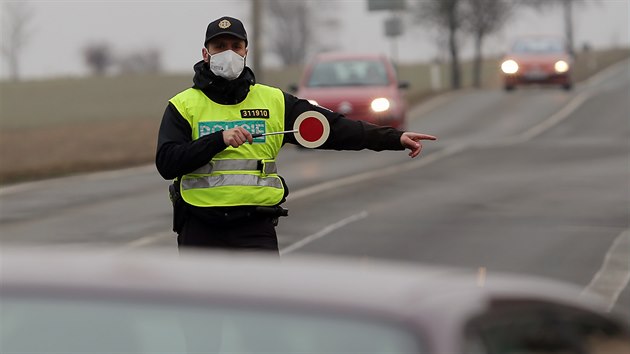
(568, 25)
(393, 30)
(256, 9)
(393, 24)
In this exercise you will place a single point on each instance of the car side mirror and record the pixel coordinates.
(293, 88)
(403, 85)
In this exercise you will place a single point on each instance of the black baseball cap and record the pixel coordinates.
(226, 25)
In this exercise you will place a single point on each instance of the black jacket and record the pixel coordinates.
(177, 154)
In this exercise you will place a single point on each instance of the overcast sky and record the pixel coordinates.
(60, 29)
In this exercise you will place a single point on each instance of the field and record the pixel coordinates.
(66, 126)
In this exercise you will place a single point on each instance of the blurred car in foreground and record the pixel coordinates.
(361, 86)
(229, 303)
(537, 60)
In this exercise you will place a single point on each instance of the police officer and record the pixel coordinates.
(227, 191)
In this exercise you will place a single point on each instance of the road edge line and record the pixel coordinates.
(323, 232)
(611, 279)
(20, 187)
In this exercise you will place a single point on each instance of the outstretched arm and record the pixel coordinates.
(347, 134)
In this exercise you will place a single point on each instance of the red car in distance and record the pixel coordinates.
(360, 86)
(537, 60)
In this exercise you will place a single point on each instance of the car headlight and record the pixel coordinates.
(380, 104)
(561, 66)
(313, 102)
(509, 66)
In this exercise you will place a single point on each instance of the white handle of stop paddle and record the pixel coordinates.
(274, 133)
(296, 125)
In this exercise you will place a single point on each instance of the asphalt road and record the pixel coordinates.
(534, 181)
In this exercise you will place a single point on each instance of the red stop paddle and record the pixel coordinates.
(311, 129)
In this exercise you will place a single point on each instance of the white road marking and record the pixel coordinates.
(602, 76)
(48, 183)
(614, 274)
(481, 277)
(323, 232)
(555, 119)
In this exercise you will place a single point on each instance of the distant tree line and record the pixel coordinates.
(100, 59)
(294, 30)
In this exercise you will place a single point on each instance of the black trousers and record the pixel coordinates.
(253, 233)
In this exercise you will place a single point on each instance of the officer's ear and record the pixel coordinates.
(205, 54)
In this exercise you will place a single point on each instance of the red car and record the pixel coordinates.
(360, 86)
(537, 60)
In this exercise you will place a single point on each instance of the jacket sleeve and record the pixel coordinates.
(345, 134)
(177, 154)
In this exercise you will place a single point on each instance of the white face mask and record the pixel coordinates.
(227, 64)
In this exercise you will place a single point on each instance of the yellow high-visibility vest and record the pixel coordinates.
(246, 175)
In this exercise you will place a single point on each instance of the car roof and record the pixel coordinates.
(538, 37)
(350, 284)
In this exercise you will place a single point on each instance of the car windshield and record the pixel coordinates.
(348, 73)
(62, 326)
(538, 45)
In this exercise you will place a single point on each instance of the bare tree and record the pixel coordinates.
(98, 57)
(141, 61)
(291, 28)
(15, 34)
(447, 15)
(567, 9)
(481, 18)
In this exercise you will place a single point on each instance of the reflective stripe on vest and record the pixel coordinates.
(267, 167)
(230, 180)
